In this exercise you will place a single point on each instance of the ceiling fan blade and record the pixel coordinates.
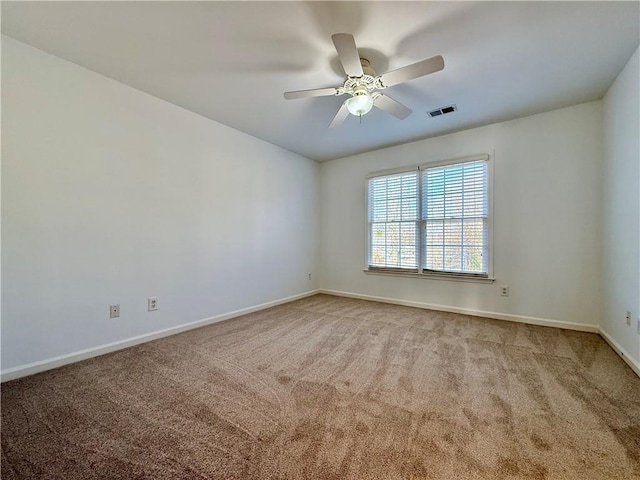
(315, 92)
(395, 108)
(348, 54)
(340, 116)
(415, 70)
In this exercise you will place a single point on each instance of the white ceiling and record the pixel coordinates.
(232, 61)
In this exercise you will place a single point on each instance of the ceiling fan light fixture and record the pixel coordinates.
(360, 104)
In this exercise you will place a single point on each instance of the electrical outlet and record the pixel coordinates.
(638, 324)
(152, 304)
(114, 311)
(628, 318)
(309, 275)
(504, 290)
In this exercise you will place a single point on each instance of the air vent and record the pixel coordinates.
(443, 110)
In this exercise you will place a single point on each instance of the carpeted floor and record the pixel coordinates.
(333, 388)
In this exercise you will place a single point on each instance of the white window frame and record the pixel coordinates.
(421, 273)
(368, 234)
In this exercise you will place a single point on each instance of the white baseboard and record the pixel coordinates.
(41, 366)
(545, 322)
(629, 360)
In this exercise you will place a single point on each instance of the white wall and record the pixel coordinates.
(547, 218)
(110, 196)
(621, 215)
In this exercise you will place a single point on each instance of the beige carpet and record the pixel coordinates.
(333, 388)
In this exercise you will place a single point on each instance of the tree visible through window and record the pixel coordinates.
(443, 230)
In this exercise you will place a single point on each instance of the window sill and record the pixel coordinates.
(432, 276)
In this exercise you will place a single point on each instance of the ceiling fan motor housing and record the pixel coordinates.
(367, 83)
(362, 90)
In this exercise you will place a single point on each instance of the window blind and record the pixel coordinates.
(393, 213)
(454, 230)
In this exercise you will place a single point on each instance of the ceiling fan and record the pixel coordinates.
(363, 83)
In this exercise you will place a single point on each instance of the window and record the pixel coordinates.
(394, 221)
(433, 219)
